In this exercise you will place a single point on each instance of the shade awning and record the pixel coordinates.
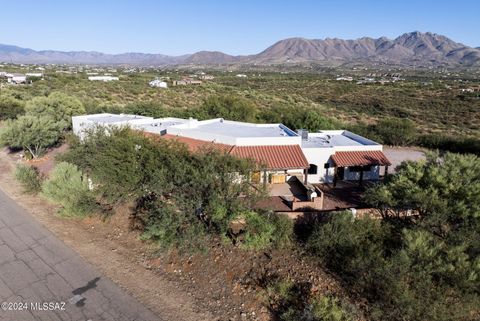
(360, 158)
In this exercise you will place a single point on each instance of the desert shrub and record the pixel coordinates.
(228, 107)
(259, 231)
(329, 308)
(171, 228)
(58, 106)
(31, 133)
(296, 117)
(422, 266)
(456, 144)
(29, 177)
(396, 131)
(264, 230)
(10, 107)
(68, 187)
(290, 301)
(203, 189)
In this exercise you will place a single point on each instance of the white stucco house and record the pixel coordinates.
(83, 124)
(158, 84)
(281, 153)
(102, 78)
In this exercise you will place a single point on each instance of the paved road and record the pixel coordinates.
(36, 268)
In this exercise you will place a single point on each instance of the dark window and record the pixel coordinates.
(326, 166)
(360, 168)
(313, 169)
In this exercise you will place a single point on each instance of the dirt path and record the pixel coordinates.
(109, 252)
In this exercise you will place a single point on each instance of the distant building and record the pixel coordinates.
(158, 83)
(344, 79)
(241, 75)
(186, 81)
(206, 77)
(102, 78)
(17, 79)
(34, 74)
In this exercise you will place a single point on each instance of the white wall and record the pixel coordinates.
(319, 156)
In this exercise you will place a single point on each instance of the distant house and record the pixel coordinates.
(158, 83)
(241, 75)
(102, 78)
(186, 81)
(34, 74)
(344, 79)
(206, 77)
(17, 79)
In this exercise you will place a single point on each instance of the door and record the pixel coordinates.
(340, 173)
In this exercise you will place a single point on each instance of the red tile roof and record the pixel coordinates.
(360, 158)
(271, 157)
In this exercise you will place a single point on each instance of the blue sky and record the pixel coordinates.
(236, 27)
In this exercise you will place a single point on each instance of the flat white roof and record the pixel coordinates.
(112, 118)
(333, 138)
(219, 126)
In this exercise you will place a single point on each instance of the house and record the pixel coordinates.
(83, 124)
(186, 81)
(17, 79)
(340, 155)
(274, 147)
(102, 78)
(34, 74)
(206, 77)
(158, 83)
(241, 75)
(342, 78)
(280, 153)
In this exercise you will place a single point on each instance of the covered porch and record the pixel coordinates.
(358, 165)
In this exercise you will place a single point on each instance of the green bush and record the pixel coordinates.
(29, 178)
(421, 261)
(178, 193)
(171, 229)
(31, 133)
(228, 107)
(10, 107)
(264, 230)
(68, 187)
(58, 106)
(456, 144)
(259, 231)
(396, 131)
(291, 301)
(329, 308)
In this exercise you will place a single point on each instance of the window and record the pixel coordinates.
(326, 166)
(313, 169)
(360, 168)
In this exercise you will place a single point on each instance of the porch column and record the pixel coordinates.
(264, 178)
(335, 176)
(386, 171)
(305, 176)
(360, 181)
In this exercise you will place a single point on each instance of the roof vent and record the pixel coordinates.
(303, 133)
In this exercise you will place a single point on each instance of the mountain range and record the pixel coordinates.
(410, 49)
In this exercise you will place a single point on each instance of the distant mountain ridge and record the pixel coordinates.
(409, 49)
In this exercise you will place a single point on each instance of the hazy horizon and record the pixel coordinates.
(233, 28)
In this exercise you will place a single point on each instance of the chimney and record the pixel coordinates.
(303, 133)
